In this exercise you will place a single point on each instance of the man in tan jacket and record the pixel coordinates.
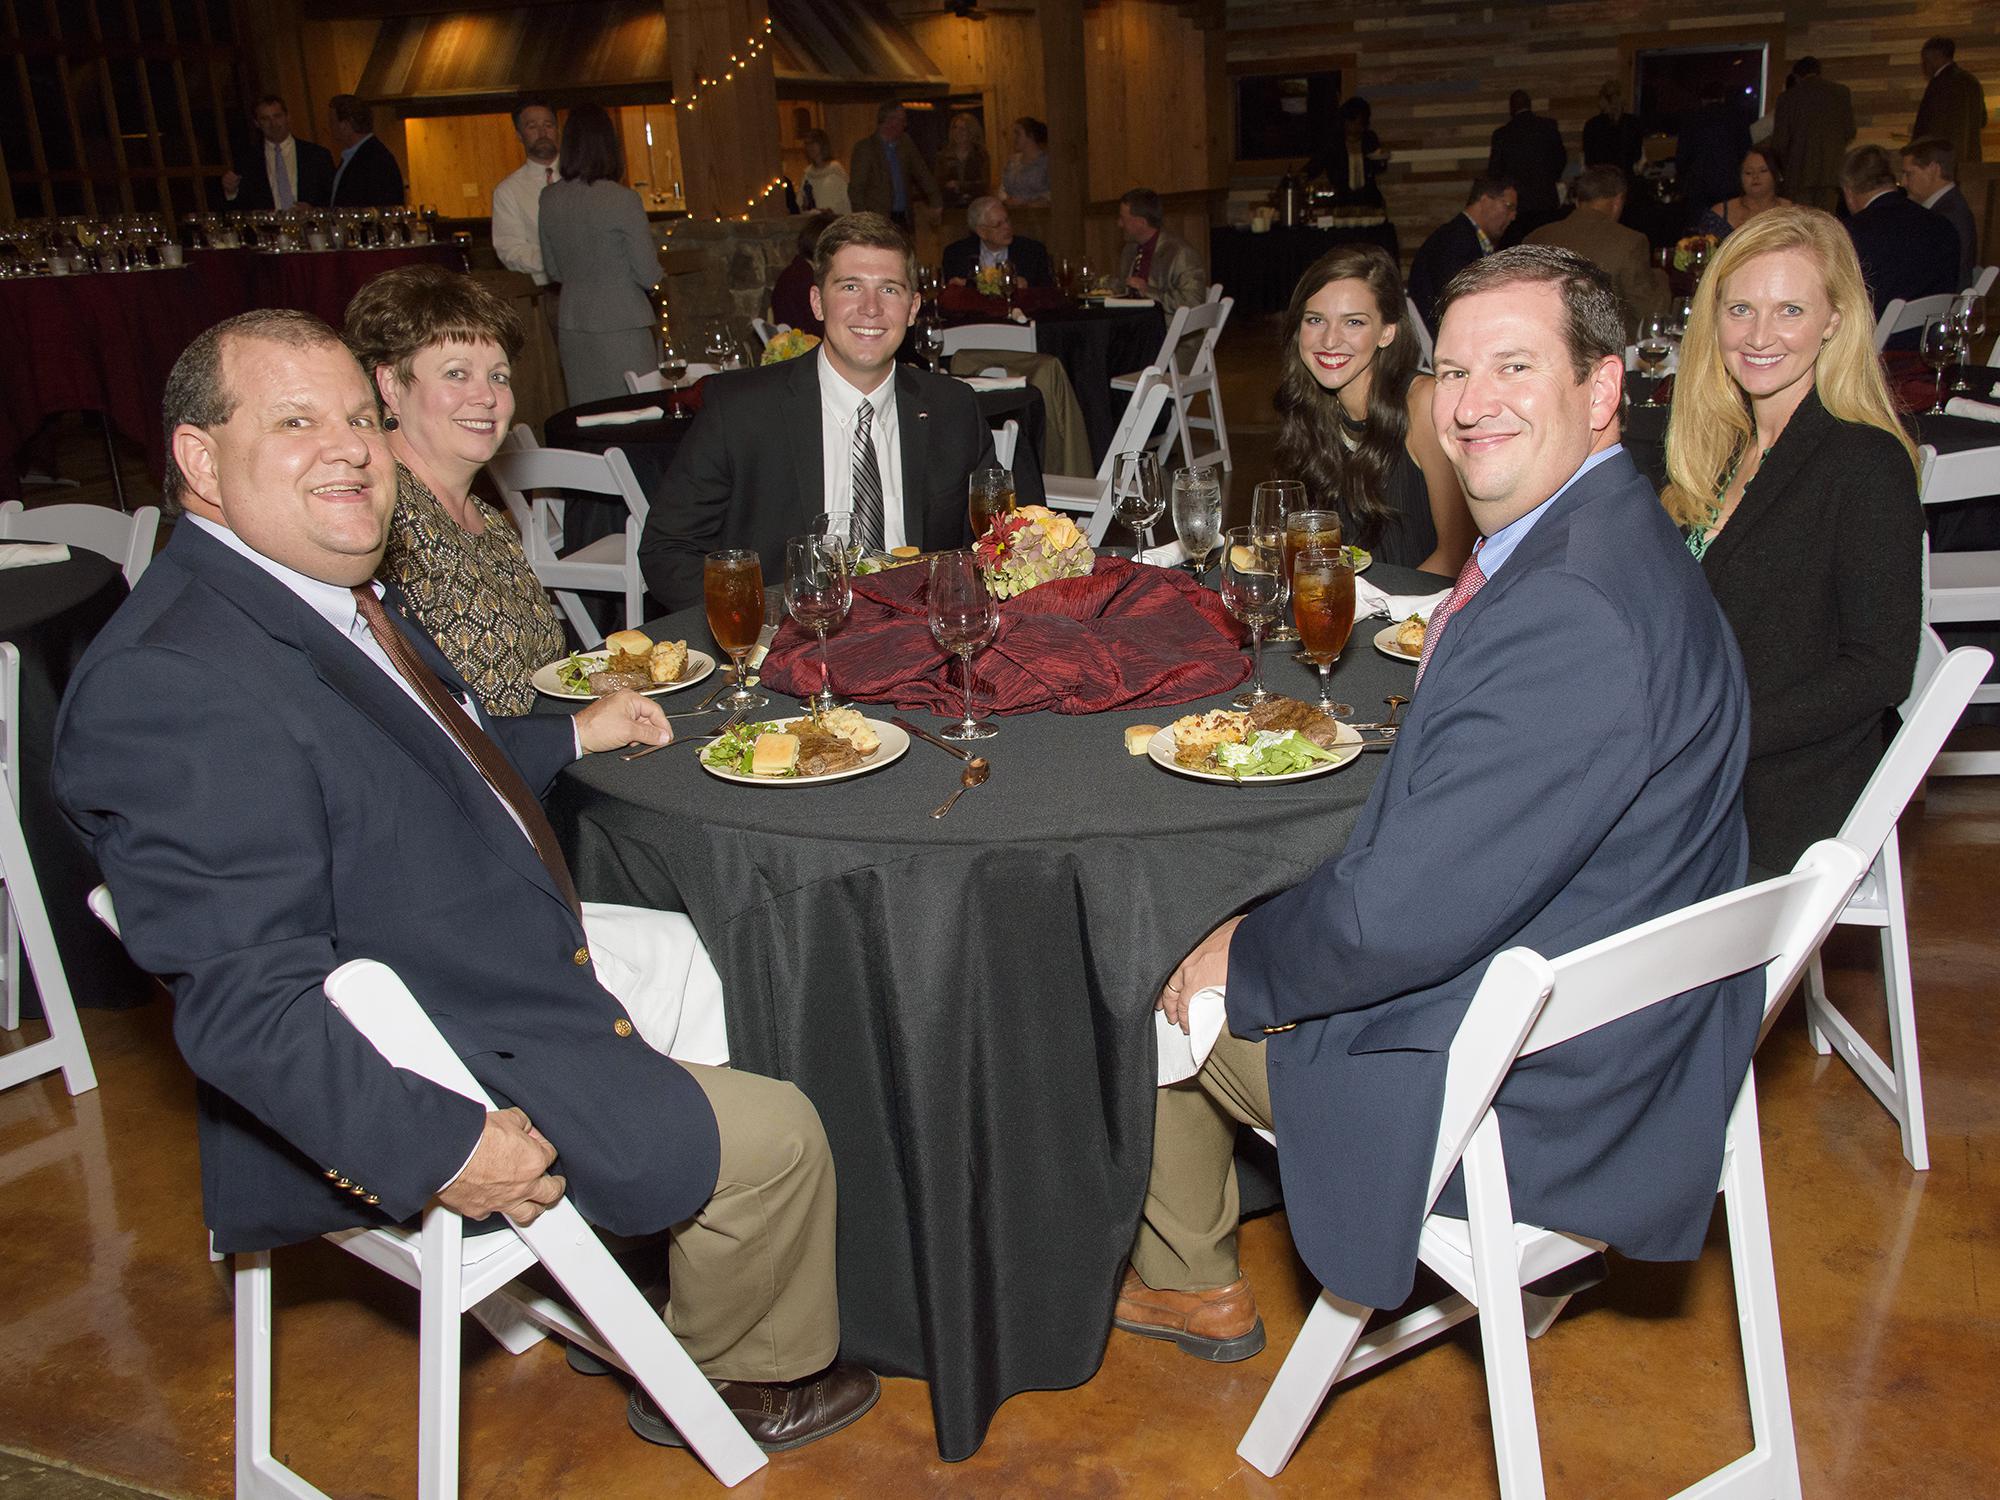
(1154, 262)
(1592, 230)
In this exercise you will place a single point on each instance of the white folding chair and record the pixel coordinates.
(1982, 280)
(767, 330)
(1425, 351)
(1005, 438)
(455, 1274)
(126, 540)
(1944, 685)
(608, 565)
(1092, 497)
(1524, 1004)
(1187, 356)
(1019, 337)
(1900, 316)
(1964, 587)
(21, 903)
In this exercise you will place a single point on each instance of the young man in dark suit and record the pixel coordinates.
(845, 428)
(993, 242)
(1582, 639)
(1490, 207)
(1930, 178)
(1905, 250)
(277, 170)
(1529, 152)
(366, 174)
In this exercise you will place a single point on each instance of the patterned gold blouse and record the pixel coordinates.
(475, 595)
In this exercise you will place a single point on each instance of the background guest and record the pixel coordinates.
(597, 243)
(440, 349)
(1592, 230)
(993, 243)
(1814, 122)
(1353, 161)
(1930, 177)
(1798, 489)
(1354, 415)
(275, 169)
(1954, 103)
(963, 171)
(888, 171)
(826, 179)
(1762, 188)
(1611, 137)
(1709, 148)
(1906, 251)
(366, 176)
(1490, 207)
(1154, 262)
(517, 200)
(791, 297)
(1528, 150)
(1025, 178)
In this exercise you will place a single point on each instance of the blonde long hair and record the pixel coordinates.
(1711, 423)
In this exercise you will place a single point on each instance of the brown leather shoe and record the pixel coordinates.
(1220, 1325)
(778, 1416)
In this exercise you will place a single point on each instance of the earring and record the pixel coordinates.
(389, 423)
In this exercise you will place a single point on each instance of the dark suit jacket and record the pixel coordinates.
(267, 804)
(1334, 162)
(1905, 251)
(1609, 142)
(1529, 149)
(1811, 125)
(1452, 246)
(750, 473)
(870, 186)
(1819, 573)
(315, 184)
(1030, 259)
(1597, 656)
(1953, 207)
(1953, 109)
(372, 178)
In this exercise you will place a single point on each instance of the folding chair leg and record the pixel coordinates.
(1540, 1313)
(1311, 1367)
(259, 1476)
(1503, 1335)
(503, 1317)
(64, 1046)
(1900, 992)
(10, 964)
(578, 616)
(1815, 999)
(441, 1309)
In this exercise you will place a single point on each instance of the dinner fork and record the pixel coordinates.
(716, 733)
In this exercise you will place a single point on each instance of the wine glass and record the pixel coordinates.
(673, 364)
(818, 592)
(964, 616)
(838, 526)
(1323, 605)
(1654, 346)
(1270, 503)
(930, 339)
(989, 493)
(1938, 343)
(1253, 589)
(1136, 498)
(1197, 509)
(1677, 319)
(1968, 321)
(732, 590)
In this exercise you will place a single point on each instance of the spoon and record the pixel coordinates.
(976, 771)
(1395, 702)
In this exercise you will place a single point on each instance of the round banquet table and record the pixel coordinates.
(1260, 270)
(52, 612)
(1096, 344)
(968, 1001)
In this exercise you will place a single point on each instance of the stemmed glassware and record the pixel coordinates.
(988, 493)
(1655, 345)
(1136, 497)
(1938, 343)
(1968, 321)
(1197, 510)
(732, 589)
(1254, 590)
(838, 526)
(964, 616)
(673, 364)
(818, 592)
(930, 337)
(1323, 604)
(1270, 503)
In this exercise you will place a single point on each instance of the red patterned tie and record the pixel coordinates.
(1471, 579)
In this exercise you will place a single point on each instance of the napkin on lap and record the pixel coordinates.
(27, 554)
(621, 418)
(1180, 1054)
(1368, 599)
(1965, 406)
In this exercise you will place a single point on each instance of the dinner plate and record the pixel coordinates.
(1348, 746)
(545, 680)
(1385, 642)
(895, 743)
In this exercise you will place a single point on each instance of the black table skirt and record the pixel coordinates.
(1260, 270)
(968, 1002)
(52, 612)
(1096, 345)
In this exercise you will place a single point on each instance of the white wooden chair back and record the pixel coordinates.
(1006, 437)
(1900, 316)
(1015, 336)
(1092, 497)
(1187, 357)
(1982, 280)
(526, 478)
(10, 788)
(637, 381)
(1929, 716)
(126, 540)
(1968, 474)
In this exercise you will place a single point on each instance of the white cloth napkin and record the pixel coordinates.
(1180, 1054)
(1368, 599)
(1128, 301)
(28, 554)
(995, 382)
(622, 418)
(1979, 411)
(1166, 555)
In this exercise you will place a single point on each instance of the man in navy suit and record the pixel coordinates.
(1905, 250)
(1930, 178)
(275, 169)
(1490, 207)
(366, 175)
(1571, 765)
(278, 772)
(993, 242)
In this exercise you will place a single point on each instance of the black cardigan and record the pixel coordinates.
(1819, 572)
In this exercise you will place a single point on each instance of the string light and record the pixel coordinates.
(753, 47)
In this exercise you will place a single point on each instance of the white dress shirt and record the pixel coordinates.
(517, 218)
(840, 408)
(990, 257)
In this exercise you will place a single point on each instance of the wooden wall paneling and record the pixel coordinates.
(729, 132)
(37, 151)
(108, 102)
(152, 118)
(1148, 110)
(457, 160)
(1065, 73)
(67, 83)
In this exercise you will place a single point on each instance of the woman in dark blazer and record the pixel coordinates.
(1797, 487)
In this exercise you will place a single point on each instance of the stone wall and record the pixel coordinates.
(722, 274)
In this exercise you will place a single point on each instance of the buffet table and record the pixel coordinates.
(968, 1001)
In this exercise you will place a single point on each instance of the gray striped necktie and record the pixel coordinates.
(867, 481)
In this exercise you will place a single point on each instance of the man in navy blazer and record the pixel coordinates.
(270, 795)
(1571, 765)
(1905, 250)
(993, 240)
(1490, 207)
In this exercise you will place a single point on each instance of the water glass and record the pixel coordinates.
(1136, 497)
(1323, 605)
(1254, 590)
(964, 616)
(818, 592)
(1270, 503)
(838, 526)
(1197, 511)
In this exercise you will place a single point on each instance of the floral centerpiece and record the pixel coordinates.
(1031, 546)
(789, 345)
(1691, 251)
(992, 280)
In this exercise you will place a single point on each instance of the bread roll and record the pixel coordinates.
(1138, 737)
(633, 642)
(774, 755)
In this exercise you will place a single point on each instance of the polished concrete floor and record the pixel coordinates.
(115, 1336)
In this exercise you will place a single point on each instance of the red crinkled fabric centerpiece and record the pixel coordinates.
(1127, 636)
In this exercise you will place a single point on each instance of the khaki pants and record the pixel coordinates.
(1187, 1232)
(752, 1294)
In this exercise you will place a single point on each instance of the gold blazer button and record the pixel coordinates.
(580, 957)
(622, 1026)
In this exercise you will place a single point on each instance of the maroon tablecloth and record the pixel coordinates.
(1128, 636)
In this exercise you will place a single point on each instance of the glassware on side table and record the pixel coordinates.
(818, 592)
(963, 616)
(1254, 590)
(732, 589)
(1197, 512)
(1136, 497)
(1323, 605)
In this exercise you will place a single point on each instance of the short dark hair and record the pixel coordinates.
(197, 396)
(1929, 151)
(528, 102)
(1943, 46)
(814, 226)
(1806, 67)
(1519, 102)
(352, 112)
(401, 312)
(1595, 184)
(1593, 312)
(264, 99)
(1357, 108)
(867, 231)
(1145, 203)
(1867, 167)
(1037, 131)
(887, 108)
(1490, 185)
(591, 151)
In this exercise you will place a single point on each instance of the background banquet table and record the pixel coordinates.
(968, 1001)
(1260, 270)
(1096, 344)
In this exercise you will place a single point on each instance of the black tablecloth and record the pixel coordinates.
(52, 612)
(1095, 344)
(1260, 270)
(968, 1002)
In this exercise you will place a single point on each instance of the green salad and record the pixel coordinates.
(1270, 753)
(574, 672)
(733, 750)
